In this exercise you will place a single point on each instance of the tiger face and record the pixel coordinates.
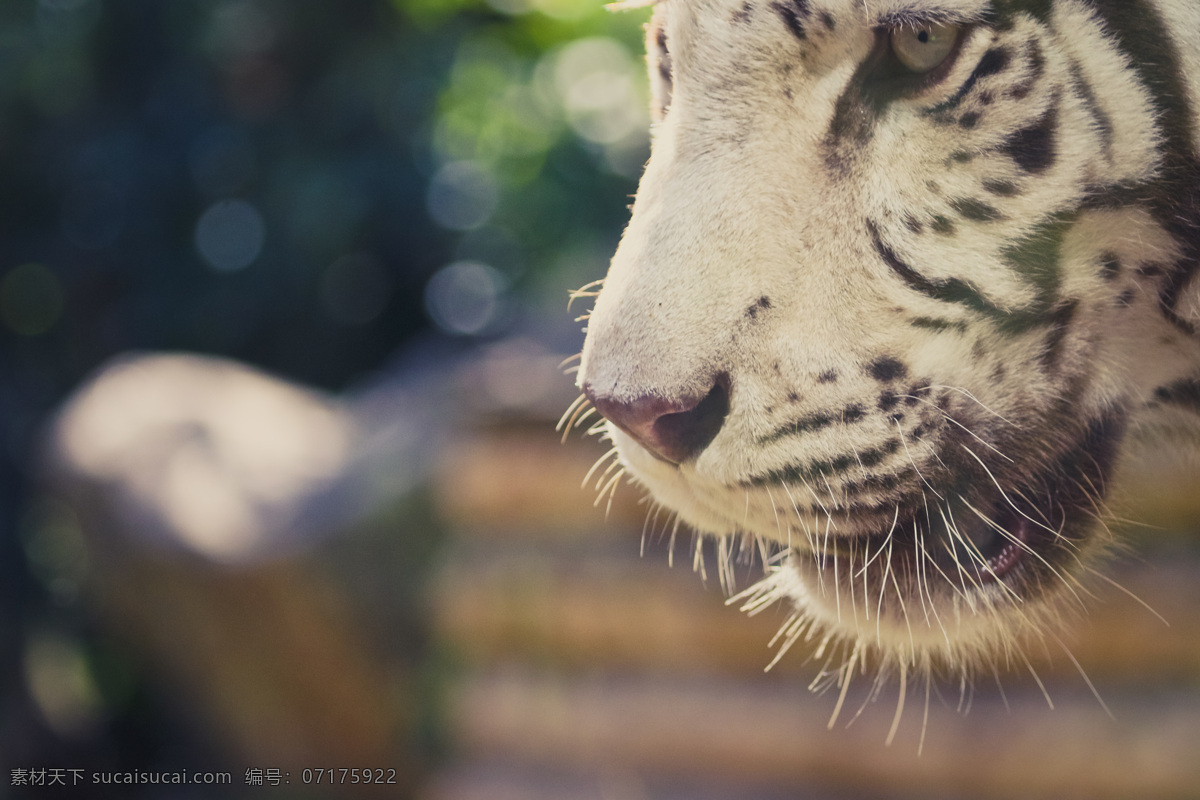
(900, 277)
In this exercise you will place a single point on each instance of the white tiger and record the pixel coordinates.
(900, 279)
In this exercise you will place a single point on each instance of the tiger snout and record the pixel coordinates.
(673, 430)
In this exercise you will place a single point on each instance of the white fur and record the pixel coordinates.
(739, 201)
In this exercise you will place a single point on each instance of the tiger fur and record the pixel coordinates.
(894, 312)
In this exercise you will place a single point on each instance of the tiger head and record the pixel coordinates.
(900, 277)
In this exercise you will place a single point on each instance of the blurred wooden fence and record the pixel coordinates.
(531, 651)
(590, 672)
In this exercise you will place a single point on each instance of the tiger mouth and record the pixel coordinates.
(1016, 536)
(970, 550)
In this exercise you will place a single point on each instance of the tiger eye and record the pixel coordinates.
(924, 47)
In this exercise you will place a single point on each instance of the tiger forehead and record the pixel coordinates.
(884, 11)
(866, 12)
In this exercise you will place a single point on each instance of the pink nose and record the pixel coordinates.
(673, 430)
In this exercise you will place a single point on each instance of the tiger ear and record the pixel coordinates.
(658, 63)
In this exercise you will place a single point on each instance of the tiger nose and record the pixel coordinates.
(672, 430)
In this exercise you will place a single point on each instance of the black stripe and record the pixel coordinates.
(802, 473)
(942, 225)
(1035, 149)
(993, 61)
(856, 111)
(1001, 188)
(882, 482)
(975, 210)
(951, 290)
(809, 424)
(1184, 393)
(853, 118)
(1035, 258)
(1084, 91)
(1110, 266)
(794, 13)
(1140, 31)
(886, 369)
(1006, 10)
(1059, 325)
(933, 324)
(814, 422)
(1037, 68)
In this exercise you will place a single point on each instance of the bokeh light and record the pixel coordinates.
(239, 28)
(61, 683)
(54, 546)
(595, 80)
(230, 235)
(494, 114)
(462, 196)
(465, 297)
(66, 21)
(304, 187)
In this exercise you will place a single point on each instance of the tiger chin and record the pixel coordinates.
(902, 281)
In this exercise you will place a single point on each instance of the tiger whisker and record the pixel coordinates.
(903, 608)
(976, 401)
(899, 704)
(567, 420)
(587, 290)
(610, 489)
(967, 430)
(599, 429)
(1129, 594)
(671, 542)
(1037, 679)
(1004, 494)
(611, 454)
(914, 463)
(774, 510)
(1021, 544)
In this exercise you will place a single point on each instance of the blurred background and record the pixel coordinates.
(283, 317)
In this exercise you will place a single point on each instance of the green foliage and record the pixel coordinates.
(289, 183)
